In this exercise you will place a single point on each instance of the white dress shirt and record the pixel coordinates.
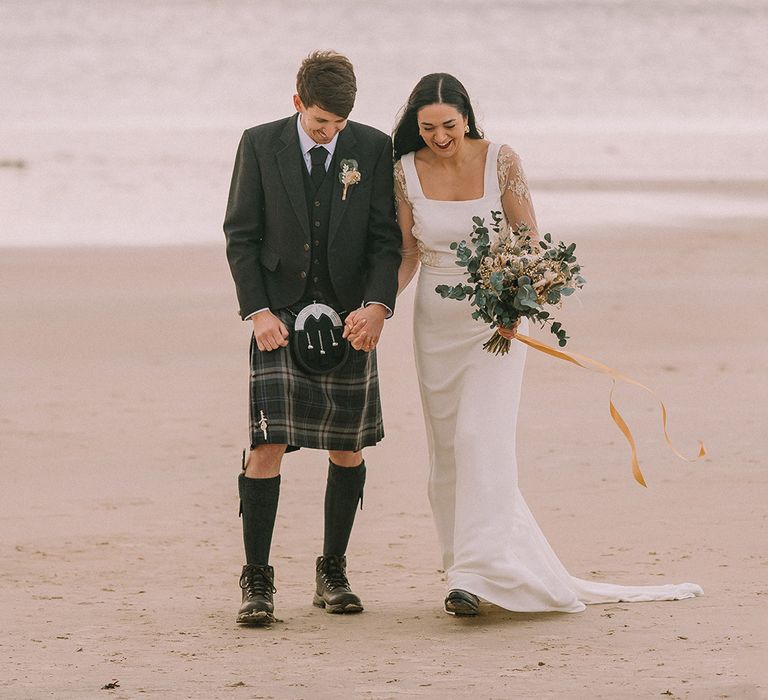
(307, 143)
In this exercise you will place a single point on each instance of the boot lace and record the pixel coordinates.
(256, 581)
(334, 574)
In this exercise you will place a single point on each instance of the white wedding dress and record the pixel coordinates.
(491, 544)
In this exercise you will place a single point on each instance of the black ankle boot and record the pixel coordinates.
(257, 583)
(332, 590)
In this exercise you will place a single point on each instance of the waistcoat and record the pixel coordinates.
(319, 287)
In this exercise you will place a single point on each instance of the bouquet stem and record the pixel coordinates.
(498, 345)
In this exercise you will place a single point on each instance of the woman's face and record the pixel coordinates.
(442, 128)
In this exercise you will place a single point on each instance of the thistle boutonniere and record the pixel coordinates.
(349, 175)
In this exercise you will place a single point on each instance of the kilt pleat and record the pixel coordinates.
(340, 410)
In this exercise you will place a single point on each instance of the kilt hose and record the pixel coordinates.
(340, 410)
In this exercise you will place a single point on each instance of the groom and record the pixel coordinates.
(310, 218)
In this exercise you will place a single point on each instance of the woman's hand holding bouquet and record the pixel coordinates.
(513, 277)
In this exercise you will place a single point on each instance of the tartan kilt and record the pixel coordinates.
(340, 410)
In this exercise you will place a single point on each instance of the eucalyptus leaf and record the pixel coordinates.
(499, 297)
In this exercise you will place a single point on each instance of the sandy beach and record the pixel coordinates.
(124, 408)
(123, 363)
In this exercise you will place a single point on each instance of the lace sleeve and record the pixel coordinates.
(401, 190)
(511, 175)
(513, 186)
(409, 253)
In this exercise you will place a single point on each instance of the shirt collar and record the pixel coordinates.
(307, 143)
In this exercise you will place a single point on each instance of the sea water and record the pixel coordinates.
(119, 121)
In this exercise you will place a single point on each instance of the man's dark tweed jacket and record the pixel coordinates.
(267, 226)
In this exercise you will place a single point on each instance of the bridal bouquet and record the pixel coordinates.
(513, 277)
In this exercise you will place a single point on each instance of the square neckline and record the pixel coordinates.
(455, 201)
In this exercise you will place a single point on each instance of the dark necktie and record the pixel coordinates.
(318, 155)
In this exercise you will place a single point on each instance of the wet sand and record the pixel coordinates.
(124, 386)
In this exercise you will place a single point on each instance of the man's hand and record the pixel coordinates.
(363, 326)
(270, 332)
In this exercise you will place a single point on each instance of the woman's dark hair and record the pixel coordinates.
(326, 79)
(435, 88)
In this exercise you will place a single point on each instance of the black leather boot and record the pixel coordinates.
(257, 583)
(333, 592)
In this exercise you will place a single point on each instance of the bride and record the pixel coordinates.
(492, 547)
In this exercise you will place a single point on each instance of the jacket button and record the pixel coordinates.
(317, 204)
(302, 275)
(317, 224)
(306, 246)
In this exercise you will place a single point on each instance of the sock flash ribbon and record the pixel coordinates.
(593, 365)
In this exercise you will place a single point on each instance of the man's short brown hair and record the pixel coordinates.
(326, 79)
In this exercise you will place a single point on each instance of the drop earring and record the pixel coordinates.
(466, 129)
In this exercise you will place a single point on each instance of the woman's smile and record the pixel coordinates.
(442, 128)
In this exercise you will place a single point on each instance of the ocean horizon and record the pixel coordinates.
(120, 121)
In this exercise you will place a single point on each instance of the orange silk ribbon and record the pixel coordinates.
(590, 364)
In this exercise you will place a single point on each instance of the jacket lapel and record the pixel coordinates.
(345, 149)
(290, 163)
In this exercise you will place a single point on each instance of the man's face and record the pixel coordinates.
(321, 126)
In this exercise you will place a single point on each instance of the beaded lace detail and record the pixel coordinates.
(511, 175)
(433, 258)
(401, 189)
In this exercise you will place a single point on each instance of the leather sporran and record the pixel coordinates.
(316, 341)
